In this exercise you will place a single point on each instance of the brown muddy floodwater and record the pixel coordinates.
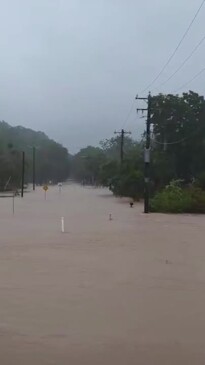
(127, 291)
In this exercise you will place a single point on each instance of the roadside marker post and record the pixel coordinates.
(60, 188)
(62, 225)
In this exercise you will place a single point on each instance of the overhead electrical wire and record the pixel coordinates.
(171, 143)
(189, 81)
(184, 62)
(178, 141)
(128, 114)
(176, 49)
(169, 60)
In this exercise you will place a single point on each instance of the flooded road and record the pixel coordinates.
(130, 290)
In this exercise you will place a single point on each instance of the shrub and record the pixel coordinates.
(174, 199)
(197, 200)
(200, 181)
(128, 184)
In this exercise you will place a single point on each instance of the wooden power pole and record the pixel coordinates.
(147, 152)
(22, 173)
(122, 134)
(34, 168)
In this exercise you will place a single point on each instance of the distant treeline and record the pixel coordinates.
(52, 159)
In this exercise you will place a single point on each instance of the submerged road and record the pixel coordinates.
(126, 291)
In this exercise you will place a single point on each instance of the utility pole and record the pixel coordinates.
(34, 168)
(122, 134)
(147, 152)
(22, 173)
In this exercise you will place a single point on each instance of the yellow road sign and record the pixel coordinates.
(45, 187)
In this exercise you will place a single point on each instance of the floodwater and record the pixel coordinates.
(130, 290)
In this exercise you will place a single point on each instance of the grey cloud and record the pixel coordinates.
(72, 68)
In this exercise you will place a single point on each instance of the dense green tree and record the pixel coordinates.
(178, 136)
(87, 163)
(128, 183)
(108, 171)
(102, 165)
(111, 147)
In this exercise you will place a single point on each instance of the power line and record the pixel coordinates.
(128, 114)
(189, 81)
(172, 143)
(184, 62)
(180, 140)
(134, 120)
(176, 49)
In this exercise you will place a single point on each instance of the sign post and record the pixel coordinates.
(45, 188)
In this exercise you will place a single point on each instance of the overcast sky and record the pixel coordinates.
(72, 68)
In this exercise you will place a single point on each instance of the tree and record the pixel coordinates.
(178, 137)
(128, 183)
(111, 147)
(87, 163)
(108, 170)
(102, 165)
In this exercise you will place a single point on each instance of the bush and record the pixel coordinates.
(197, 200)
(200, 181)
(174, 199)
(128, 184)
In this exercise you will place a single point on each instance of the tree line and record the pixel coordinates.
(177, 152)
(52, 159)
